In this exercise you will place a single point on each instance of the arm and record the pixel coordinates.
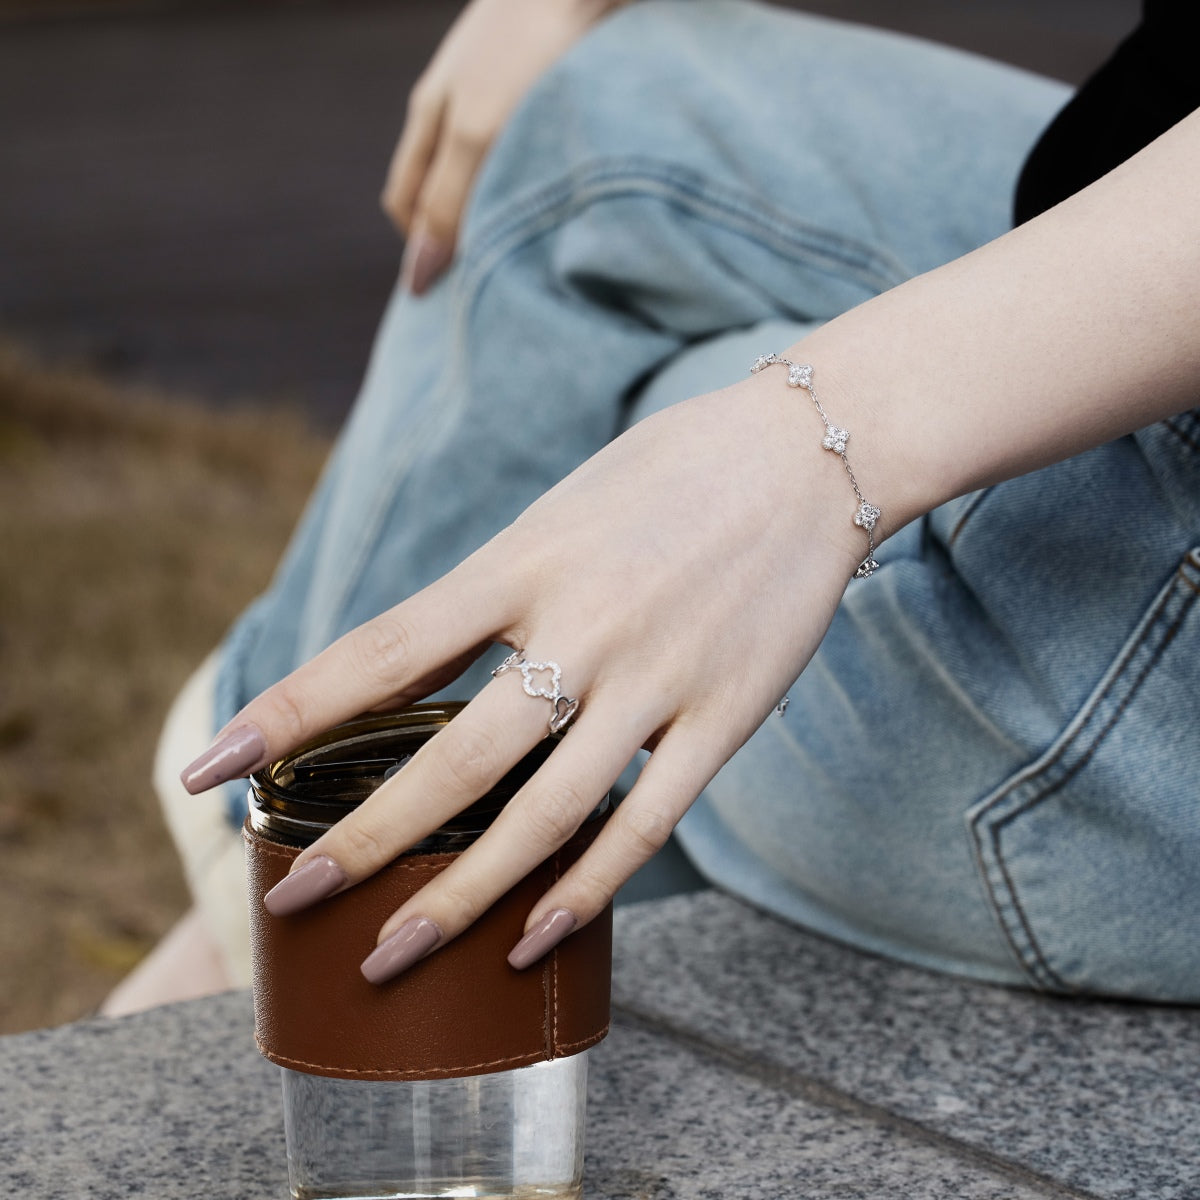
(1065, 333)
(683, 614)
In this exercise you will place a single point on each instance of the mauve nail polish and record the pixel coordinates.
(229, 758)
(425, 258)
(542, 938)
(413, 940)
(318, 878)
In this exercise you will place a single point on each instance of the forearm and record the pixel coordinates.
(1067, 332)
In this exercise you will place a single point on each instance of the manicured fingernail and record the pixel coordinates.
(425, 258)
(413, 940)
(228, 758)
(318, 878)
(542, 938)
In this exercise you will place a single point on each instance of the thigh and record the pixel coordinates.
(803, 164)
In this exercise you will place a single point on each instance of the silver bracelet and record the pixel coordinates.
(800, 376)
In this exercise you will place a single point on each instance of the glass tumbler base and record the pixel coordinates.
(509, 1135)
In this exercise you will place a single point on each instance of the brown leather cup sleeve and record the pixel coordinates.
(461, 1011)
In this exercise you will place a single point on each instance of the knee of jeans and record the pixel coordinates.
(617, 97)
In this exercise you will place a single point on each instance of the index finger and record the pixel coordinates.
(371, 665)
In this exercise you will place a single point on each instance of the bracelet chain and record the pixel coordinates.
(800, 375)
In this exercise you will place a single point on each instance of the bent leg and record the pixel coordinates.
(792, 167)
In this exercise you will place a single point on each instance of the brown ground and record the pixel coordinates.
(133, 527)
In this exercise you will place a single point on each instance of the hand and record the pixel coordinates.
(682, 578)
(492, 55)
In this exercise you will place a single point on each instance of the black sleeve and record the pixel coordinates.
(1150, 83)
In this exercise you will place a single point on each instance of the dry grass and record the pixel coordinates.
(133, 527)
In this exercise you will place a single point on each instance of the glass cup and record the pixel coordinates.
(504, 1134)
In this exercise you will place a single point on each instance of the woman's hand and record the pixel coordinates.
(492, 55)
(682, 578)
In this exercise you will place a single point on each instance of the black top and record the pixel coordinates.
(1150, 83)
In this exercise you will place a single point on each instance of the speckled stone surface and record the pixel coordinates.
(668, 1121)
(747, 1060)
(172, 1103)
(1102, 1098)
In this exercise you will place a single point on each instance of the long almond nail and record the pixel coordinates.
(425, 258)
(318, 878)
(231, 757)
(542, 938)
(412, 941)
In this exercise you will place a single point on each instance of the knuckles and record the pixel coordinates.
(457, 897)
(554, 813)
(647, 829)
(469, 759)
(381, 650)
(471, 138)
(592, 887)
(360, 848)
(288, 722)
(422, 99)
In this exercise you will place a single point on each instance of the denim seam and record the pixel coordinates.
(1006, 805)
(373, 517)
(1174, 425)
(737, 211)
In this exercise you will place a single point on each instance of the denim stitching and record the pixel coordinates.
(439, 417)
(1173, 595)
(1072, 771)
(738, 211)
(527, 216)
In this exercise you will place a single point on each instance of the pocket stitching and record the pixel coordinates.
(1039, 969)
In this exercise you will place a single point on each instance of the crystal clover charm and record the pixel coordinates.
(565, 707)
(866, 516)
(866, 568)
(800, 375)
(553, 692)
(836, 439)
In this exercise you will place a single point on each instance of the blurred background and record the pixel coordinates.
(192, 261)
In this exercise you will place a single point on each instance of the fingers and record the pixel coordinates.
(439, 208)
(376, 665)
(672, 778)
(413, 154)
(463, 761)
(543, 815)
(428, 181)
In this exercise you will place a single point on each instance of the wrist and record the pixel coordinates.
(806, 486)
(835, 440)
(894, 457)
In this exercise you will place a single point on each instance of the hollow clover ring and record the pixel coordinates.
(565, 707)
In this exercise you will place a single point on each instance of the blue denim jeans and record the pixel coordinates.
(990, 767)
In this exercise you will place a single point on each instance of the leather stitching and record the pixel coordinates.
(553, 965)
(513, 1060)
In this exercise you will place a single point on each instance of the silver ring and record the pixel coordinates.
(565, 707)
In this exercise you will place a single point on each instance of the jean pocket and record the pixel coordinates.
(1090, 855)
